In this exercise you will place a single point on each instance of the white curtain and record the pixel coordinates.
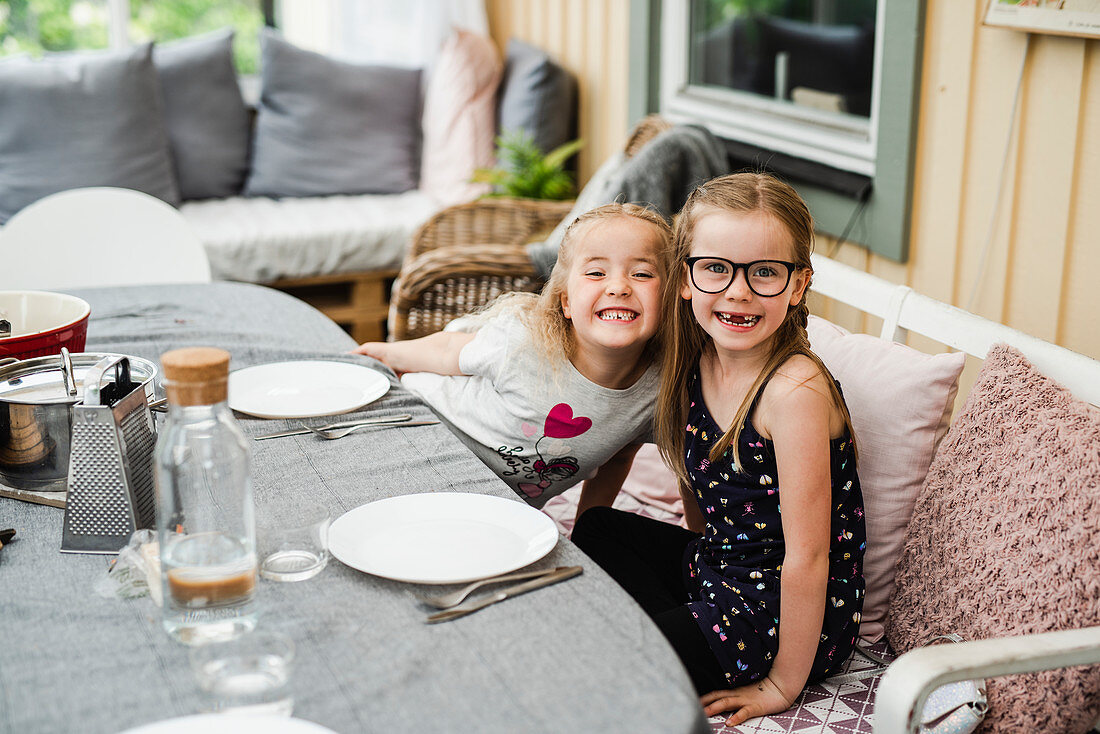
(407, 33)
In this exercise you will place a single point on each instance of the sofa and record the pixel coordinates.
(982, 521)
(317, 186)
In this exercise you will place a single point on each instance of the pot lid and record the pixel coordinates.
(40, 381)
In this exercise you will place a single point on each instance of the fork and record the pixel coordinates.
(332, 434)
(445, 601)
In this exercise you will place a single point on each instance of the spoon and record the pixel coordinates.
(445, 601)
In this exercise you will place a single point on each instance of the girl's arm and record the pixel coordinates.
(798, 417)
(601, 489)
(434, 353)
(693, 516)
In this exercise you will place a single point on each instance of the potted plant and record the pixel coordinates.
(523, 170)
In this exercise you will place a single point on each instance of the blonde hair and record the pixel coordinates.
(685, 339)
(551, 331)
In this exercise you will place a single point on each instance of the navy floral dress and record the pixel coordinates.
(734, 568)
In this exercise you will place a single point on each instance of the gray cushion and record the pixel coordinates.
(208, 122)
(83, 119)
(330, 127)
(537, 95)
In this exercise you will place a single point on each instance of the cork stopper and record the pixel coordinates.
(196, 375)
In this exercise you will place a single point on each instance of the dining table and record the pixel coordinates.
(578, 656)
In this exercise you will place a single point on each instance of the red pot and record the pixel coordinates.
(40, 323)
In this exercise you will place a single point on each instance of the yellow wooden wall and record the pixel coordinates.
(590, 39)
(1041, 269)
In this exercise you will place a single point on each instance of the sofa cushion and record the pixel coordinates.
(460, 117)
(329, 127)
(537, 95)
(82, 119)
(900, 401)
(1005, 538)
(261, 239)
(208, 122)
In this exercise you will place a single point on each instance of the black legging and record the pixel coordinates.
(646, 557)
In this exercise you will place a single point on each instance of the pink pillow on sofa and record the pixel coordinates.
(459, 120)
(653, 483)
(1005, 539)
(900, 400)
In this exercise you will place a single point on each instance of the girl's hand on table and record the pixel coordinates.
(759, 698)
(379, 351)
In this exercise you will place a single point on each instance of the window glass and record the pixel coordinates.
(157, 20)
(37, 26)
(810, 53)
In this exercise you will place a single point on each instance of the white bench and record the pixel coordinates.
(912, 677)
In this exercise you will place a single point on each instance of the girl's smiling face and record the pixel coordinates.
(737, 319)
(612, 294)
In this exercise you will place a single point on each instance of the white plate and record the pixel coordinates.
(304, 389)
(231, 724)
(441, 538)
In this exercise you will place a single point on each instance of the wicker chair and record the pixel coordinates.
(466, 255)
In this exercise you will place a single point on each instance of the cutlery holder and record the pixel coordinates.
(111, 491)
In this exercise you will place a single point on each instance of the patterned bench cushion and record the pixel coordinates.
(827, 707)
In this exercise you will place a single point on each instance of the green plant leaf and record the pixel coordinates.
(523, 170)
(558, 156)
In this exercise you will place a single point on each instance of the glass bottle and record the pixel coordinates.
(205, 518)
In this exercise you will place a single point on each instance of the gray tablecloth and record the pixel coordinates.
(575, 657)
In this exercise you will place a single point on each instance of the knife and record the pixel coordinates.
(378, 420)
(566, 572)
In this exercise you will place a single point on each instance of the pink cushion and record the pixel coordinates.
(653, 483)
(900, 400)
(1005, 539)
(460, 117)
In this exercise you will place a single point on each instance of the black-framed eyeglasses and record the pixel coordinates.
(766, 278)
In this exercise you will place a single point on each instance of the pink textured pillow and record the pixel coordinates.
(1005, 539)
(459, 120)
(900, 401)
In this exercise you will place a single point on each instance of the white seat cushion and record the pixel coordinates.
(261, 239)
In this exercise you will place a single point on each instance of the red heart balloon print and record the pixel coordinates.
(560, 422)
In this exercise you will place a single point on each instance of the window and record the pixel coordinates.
(823, 92)
(790, 76)
(34, 27)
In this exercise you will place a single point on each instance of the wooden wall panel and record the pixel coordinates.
(588, 37)
(1041, 218)
(1078, 320)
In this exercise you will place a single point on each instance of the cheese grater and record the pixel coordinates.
(111, 467)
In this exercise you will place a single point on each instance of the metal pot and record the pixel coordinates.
(36, 415)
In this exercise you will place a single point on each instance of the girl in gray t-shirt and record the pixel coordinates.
(552, 389)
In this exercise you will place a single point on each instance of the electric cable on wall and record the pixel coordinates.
(1000, 182)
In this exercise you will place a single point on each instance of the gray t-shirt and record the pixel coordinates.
(541, 429)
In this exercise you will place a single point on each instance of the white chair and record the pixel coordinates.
(99, 237)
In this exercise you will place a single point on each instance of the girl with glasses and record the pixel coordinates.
(755, 602)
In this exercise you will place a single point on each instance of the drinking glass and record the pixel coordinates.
(294, 553)
(246, 674)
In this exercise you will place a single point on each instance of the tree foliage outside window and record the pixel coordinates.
(35, 27)
(156, 20)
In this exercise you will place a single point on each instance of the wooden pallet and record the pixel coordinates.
(359, 302)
